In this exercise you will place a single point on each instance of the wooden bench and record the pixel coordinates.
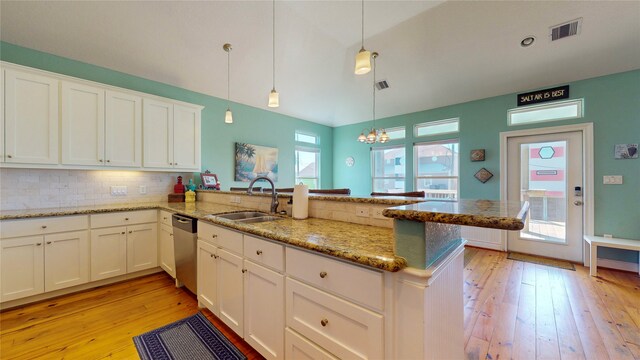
(595, 241)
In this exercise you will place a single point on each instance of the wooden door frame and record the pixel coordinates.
(587, 164)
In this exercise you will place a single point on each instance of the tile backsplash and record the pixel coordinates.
(39, 188)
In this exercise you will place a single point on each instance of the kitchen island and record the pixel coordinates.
(337, 289)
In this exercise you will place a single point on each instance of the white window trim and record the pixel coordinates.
(416, 177)
(307, 133)
(396, 128)
(435, 123)
(579, 102)
(308, 149)
(373, 170)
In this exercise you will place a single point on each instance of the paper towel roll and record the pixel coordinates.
(300, 202)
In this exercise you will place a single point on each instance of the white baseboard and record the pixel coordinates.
(484, 244)
(618, 265)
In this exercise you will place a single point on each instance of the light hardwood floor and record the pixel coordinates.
(513, 310)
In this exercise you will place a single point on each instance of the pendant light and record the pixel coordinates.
(363, 58)
(274, 97)
(374, 135)
(228, 116)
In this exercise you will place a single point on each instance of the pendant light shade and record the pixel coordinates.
(363, 62)
(363, 58)
(362, 138)
(274, 98)
(228, 116)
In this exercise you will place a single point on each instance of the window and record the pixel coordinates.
(396, 133)
(306, 138)
(307, 167)
(437, 127)
(388, 169)
(436, 169)
(561, 110)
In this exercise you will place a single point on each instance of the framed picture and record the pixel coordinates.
(255, 160)
(209, 180)
(625, 151)
(477, 155)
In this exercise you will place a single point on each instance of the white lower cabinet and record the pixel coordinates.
(167, 257)
(43, 254)
(66, 260)
(230, 290)
(299, 348)
(264, 310)
(108, 252)
(22, 267)
(208, 276)
(142, 247)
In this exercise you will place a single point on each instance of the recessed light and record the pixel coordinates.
(528, 41)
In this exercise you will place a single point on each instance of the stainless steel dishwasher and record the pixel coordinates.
(185, 237)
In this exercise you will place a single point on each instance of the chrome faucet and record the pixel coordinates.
(274, 194)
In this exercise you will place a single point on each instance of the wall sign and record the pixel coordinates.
(534, 97)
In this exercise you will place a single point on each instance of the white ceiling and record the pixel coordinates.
(432, 53)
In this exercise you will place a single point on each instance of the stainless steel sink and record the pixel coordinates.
(249, 217)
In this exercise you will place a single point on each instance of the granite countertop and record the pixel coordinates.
(479, 213)
(362, 244)
(380, 200)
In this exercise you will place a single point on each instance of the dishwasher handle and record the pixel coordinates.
(184, 223)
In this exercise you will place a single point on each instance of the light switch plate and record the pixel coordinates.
(118, 191)
(612, 179)
(142, 189)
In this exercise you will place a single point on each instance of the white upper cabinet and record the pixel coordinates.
(186, 137)
(123, 130)
(158, 134)
(171, 136)
(31, 118)
(82, 124)
(1, 115)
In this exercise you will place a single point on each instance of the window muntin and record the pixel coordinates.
(561, 110)
(436, 169)
(437, 127)
(388, 168)
(307, 167)
(307, 138)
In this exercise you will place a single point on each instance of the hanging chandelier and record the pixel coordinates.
(374, 135)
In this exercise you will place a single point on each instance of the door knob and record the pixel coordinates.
(577, 203)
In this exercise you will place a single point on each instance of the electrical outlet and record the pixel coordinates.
(608, 236)
(377, 213)
(362, 211)
(234, 199)
(142, 189)
(612, 179)
(118, 191)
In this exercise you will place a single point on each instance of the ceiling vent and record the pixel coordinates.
(381, 85)
(567, 29)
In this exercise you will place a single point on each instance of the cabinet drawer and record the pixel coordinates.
(230, 240)
(264, 252)
(299, 348)
(351, 281)
(165, 218)
(45, 225)
(340, 327)
(123, 218)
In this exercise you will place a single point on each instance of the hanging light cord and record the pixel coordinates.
(363, 24)
(228, 76)
(374, 93)
(274, 44)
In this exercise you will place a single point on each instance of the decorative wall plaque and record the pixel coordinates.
(483, 175)
(477, 155)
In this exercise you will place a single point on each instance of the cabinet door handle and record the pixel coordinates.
(38, 244)
(323, 274)
(244, 271)
(126, 218)
(44, 226)
(170, 163)
(164, 218)
(9, 156)
(175, 163)
(214, 236)
(123, 233)
(211, 255)
(215, 256)
(170, 234)
(108, 161)
(130, 231)
(100, 160)
(48, 242)
(259, 252)
(324, 322)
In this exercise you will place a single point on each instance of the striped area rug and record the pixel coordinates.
(191, 338)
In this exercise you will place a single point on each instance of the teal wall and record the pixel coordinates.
(611, 103)
(251, 125)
